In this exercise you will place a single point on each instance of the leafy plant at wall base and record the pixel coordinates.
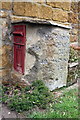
(73, 56)
(27, 98)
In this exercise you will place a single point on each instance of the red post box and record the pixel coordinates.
(19, 41)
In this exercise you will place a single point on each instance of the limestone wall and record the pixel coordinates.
(47, 49)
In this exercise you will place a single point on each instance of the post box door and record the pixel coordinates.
(19, 56)
(19, 41)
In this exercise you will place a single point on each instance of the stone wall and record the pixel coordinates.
(74, 39)
(5, 46)
(47, 56)
(56, 11)
(73, 19)
(40, 11)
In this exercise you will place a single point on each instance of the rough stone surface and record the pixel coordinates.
(72, 74)
(0, 5)
(62, 5)
(7, 5)
(74, 7)
(73, 38)
(45, 12)
(49, 54)
(16, 78)
(31, 9)
(4, 57)
(60, 15)
(74, 31)
(18, 8)
(5, 49)
(40, 1)
(42, 11)
(47, 46)
(4, 72)
(73, 18)
(3, 14)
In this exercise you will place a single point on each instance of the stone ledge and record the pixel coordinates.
(16, 19)
(73, 64)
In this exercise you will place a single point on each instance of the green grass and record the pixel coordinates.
(65, 106)
(24, 99)
(37, 95)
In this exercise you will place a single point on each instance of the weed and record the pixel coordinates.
(65, 106)
(27, 98)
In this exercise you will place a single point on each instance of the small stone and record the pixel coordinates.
(9, 113)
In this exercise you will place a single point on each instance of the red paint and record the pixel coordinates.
(19, 36)
(19, 32)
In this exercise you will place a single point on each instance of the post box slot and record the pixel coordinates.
(18, 33)
(19, 39)
(18, 43)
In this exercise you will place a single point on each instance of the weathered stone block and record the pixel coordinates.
(76, 26)
(74, 7)
(40, 1)
(45, 12)
(62, 5)
(73, 38)
(0, 5)
(3, 14)
(49, 48)
(4, 59)
(4, 72)
(72, 74)
(4, 49)
(74, 31)
(18, 8)
(31, 9)
(78, 6)
(73, 18)
(60, 15)
(7, 5)
(16, 79)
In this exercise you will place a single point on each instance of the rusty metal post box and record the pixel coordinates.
(19, 41)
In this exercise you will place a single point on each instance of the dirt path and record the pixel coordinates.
(5, 112)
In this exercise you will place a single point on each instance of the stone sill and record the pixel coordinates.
(74, 43)
(16, 19)
(72, 64)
